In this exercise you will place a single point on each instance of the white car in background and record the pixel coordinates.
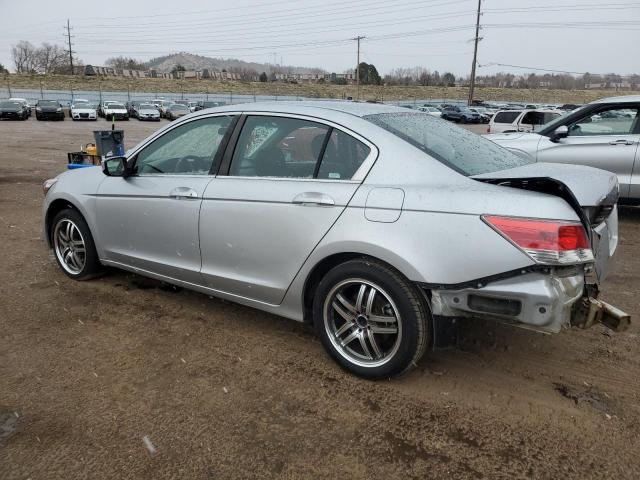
(117, 111)
(433, 111)
(83, 110)
(525, 120)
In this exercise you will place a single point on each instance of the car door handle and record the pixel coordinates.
(313, 198)
(621, 142)
(183, 193)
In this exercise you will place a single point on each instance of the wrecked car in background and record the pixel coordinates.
(376, 224)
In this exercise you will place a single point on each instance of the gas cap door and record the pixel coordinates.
(384, 204)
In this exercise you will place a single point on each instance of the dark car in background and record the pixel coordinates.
(202, 104)
(460, 114)
(176, 110)
(49, 110)
(131, 107)
(13, 110)
(24, 102)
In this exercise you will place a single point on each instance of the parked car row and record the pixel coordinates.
(83, 109)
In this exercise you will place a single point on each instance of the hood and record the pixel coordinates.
(83, 109)
(10, 109)
(505, 137)
(49, 108)
(115, 109)
(589, 186)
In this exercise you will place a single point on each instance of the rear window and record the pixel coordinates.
(505, 117)
(459, 149)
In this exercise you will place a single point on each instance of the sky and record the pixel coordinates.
(574, 36)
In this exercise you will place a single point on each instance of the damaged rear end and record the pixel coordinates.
(570, 258)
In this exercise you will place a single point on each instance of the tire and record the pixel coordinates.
(80, 261)
(343, 311)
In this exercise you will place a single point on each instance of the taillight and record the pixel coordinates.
(550, 242)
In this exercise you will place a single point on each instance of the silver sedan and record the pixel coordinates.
(379, 226)
(603, 134)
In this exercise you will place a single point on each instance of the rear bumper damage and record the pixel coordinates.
(543, 301)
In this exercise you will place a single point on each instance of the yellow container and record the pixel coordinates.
(91, 149)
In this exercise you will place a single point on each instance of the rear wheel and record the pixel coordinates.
(73, 245)
(371, 319)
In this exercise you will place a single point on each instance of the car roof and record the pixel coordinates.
(358, 109)
(623, 99)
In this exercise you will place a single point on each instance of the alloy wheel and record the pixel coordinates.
(69, 246)
(362, 322)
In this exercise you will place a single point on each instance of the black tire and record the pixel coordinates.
(91, 267)
(394, 353)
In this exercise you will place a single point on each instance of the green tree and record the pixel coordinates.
(448, 79)
(369, 74)
(3, 69)
(179, 68)
(263, 77)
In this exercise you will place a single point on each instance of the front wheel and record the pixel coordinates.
(73, 245)
(371, 319)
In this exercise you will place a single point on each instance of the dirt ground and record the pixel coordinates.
(124, 378)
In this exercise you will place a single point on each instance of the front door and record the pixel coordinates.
(607, 139)
(288, 181)
(149, 220)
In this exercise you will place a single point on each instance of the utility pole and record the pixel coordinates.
(70, 51)
(472, 81)
(358, 38)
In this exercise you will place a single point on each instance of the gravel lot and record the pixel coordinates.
(123, 378)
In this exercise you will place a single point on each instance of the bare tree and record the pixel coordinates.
(51, 58)
(24, 57)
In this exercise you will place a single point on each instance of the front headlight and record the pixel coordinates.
(58, 109)
(47, 184)
(38, 109)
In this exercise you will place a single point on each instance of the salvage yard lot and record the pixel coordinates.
(87, 370)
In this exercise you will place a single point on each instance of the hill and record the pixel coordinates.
(166, 63)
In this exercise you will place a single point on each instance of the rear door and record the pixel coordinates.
(607, 139)
(278, 193)
(149, 220)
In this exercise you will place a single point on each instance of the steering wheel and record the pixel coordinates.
(190, 162)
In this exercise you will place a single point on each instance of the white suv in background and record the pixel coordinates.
(527, 120)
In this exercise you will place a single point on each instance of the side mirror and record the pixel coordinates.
(115, 167)
(561, 132)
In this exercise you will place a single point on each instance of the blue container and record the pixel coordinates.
(73, 166)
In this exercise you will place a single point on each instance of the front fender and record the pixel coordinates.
(76, 188)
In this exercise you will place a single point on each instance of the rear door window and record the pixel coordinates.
(278, 147)
(506, 117)
(342, 157)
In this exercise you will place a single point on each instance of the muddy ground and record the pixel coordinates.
(89, 370)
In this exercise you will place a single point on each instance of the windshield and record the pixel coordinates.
(463, 151)
(47, 103)
(146, 106)
(84, 105)
(178, 106)
(114, 106)
(10, 105)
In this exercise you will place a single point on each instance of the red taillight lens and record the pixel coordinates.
(546, 241)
